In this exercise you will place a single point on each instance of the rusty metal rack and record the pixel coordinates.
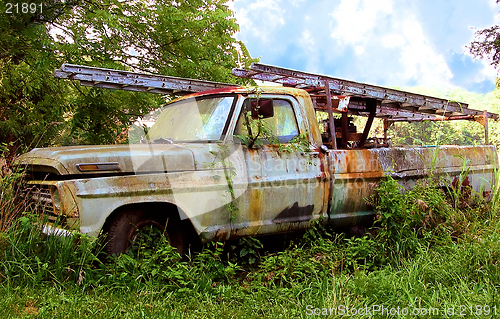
(329, 94)
(348, 97)
(392, 104)
(134, 81)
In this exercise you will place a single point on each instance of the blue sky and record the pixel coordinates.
(396, 43)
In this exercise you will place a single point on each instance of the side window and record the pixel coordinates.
(281, 127)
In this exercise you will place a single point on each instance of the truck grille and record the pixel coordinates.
(38, 200)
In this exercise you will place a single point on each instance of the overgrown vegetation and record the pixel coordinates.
(423, 252)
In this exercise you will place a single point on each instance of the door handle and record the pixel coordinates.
(313, 154)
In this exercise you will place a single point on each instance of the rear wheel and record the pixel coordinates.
(135, 229)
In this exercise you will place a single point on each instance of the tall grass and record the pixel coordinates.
(27, 256)
(10, 209)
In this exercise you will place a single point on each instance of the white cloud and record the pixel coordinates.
(393, 40)
(308, 43)
(487, 72)
(493, 4)
(370, 27)
(359, 49)
(420, 60)
(356, 19)
(260, 19)
(296, 3)
(384, 42)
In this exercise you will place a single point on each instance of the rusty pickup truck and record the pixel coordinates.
(226, 162)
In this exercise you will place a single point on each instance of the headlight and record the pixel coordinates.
(56, 199)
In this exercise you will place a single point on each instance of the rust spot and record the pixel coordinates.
(295, 213)
(465, 182)
(231, 89)
(221, 235)
(465, 188)
(255, 209)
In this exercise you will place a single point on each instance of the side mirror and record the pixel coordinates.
(262, 109)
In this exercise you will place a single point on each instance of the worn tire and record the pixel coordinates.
(128, 225)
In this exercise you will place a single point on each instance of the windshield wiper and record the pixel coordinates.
(164, 140)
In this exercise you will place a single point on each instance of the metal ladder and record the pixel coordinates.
(134, 81)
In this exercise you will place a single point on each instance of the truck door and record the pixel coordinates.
(285, 189)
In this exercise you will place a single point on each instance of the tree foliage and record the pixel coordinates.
(180, 38)
(486, 44)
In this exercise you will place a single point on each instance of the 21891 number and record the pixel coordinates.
(14, 8)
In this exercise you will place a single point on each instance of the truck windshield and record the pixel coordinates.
(189, 120)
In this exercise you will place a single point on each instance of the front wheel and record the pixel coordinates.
(135, 229)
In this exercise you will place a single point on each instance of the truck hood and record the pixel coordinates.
(135, 158)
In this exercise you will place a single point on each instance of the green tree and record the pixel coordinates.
(31, 101)
(180, 38)
(486, 44)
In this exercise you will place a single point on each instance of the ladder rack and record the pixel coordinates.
(327, 93)
(133, 81)
(393, 105)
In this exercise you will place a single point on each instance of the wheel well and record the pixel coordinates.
(162, 209)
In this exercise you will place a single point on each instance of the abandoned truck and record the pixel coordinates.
(224, 162)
